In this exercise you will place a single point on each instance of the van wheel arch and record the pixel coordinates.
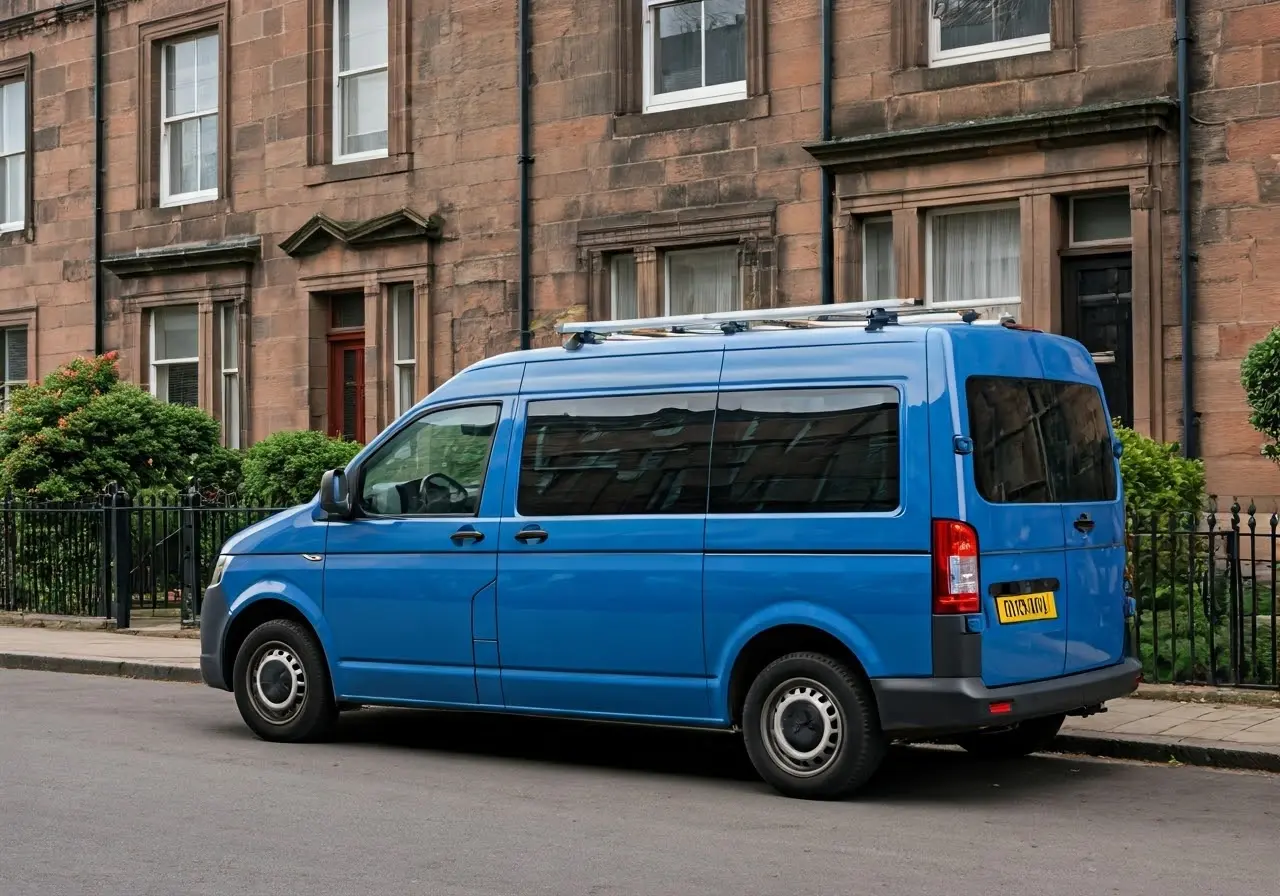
(773, 643)
(255, 615)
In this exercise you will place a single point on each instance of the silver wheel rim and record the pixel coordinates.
(802, 727)
(277, 683)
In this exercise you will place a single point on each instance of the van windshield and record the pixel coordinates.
(1039, 442)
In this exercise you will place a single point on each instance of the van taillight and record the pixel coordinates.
(955, 568)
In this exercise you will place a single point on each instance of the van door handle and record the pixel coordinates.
(1084, 524)
(532, 534)
(467, 535)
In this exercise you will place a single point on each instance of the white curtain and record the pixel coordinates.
(879, 277)
(703, 281)
(975, 256)
(622, 287)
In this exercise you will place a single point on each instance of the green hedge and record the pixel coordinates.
(284, 469)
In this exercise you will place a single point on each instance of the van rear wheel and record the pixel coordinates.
(1023, 739)
(281, 683)
(811, 727)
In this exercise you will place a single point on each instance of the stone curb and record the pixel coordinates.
(1207, 694)
(1153, 749)
(115, 668)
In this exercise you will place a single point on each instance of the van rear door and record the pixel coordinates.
(1009, 502)
(1087, 484)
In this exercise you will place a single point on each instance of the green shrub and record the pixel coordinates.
(284, 469)
(220, 473)
(82, 429)
(1260, 377)
(1157, 479)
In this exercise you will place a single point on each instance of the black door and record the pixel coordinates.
(1097, 300)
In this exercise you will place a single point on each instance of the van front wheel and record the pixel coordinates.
(811, 727)
(282, 684)
(1023, 739)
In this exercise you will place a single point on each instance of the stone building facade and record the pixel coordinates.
(311, 206)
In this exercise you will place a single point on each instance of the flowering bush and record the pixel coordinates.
(82, 429)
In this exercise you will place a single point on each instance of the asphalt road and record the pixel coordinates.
(140, 789)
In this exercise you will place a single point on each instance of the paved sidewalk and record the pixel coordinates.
(99, 653)
(1237, 729)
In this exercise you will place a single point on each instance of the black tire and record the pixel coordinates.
(1025, 738)
(804, 690)
(281, 661)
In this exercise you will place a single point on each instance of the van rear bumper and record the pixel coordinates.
(928, 707)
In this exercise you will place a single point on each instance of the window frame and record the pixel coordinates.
(401, 367)
(156, 364)
(153, 36)
(1003, 49)
(358, 503)
(229, 382)
(696, 96)
(8, 386)
(862, 248)
(740, 298)
(24, 153)
(339, 76)
(168, 199)
(1118, 242)
(945, 211)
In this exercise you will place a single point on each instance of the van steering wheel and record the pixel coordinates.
(450, 483)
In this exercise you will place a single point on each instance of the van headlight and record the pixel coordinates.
(219, 567)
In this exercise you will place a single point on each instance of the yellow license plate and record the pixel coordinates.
(1026, 607)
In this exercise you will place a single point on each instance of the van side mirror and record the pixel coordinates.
(335, 498)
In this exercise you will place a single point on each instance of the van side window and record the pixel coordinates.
(434, 466)
(1039, 441)
(624, 455)
(806, 451)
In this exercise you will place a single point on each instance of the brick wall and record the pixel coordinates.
(604, 176)
(1235, 142)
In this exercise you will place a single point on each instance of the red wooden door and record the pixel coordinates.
(346, 386)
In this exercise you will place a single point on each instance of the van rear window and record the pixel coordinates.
(1039, 442)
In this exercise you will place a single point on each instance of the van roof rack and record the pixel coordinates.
(871, 316)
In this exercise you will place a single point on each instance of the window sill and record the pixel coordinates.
(985, 71)
(691, 116)
(11, 234)
(175, 202)
(343, 171)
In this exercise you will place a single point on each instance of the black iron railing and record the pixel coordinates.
(53, 557)
(1205, 584)
(74, 559)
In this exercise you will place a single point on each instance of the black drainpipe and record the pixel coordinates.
(524, 160)
(1190, 425)
(827, 247)
(99, 174)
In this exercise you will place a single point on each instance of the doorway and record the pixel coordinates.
(346, 367)
(1097, 310)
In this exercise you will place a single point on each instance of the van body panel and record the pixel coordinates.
(1021, 545)
(872, 567)
(400, 592)
(604, 616)
(298, 530)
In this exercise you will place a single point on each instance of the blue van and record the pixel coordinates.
(828, 528)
